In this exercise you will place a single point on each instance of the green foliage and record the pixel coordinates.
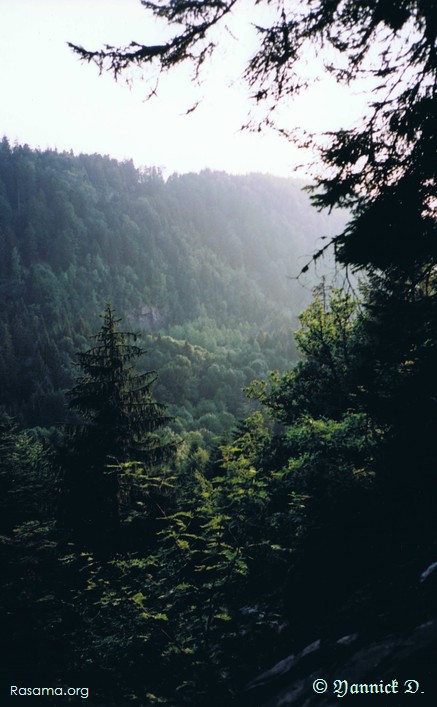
(121, 422)
(113, 399)
(28, 495)
(179, 611)
(207, 601)
(191, 595)
(26, 485)
(323, 383)
(203, 259)
(327, 490)
(282, 525)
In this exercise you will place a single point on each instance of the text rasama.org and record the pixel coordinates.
(17, 691)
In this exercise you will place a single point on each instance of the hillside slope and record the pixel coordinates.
(205, 259)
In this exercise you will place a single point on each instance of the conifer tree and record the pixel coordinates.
(120, 422)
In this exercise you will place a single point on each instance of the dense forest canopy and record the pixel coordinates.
(308, 536)
(203, 262)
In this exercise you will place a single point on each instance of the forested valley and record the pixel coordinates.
(197, 507)
(136, 315)
(204, 266)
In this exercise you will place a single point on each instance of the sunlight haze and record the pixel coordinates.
(52, 100)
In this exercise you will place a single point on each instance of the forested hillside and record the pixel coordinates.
(289, 559)
(202, 264)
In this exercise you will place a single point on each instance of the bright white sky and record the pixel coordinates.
(50, 99)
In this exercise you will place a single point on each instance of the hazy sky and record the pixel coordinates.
(50, 99)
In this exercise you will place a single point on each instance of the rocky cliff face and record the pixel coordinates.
(151, 318)
(390, 661)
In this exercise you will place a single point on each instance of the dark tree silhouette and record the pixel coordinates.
(120, 423)
(384, 170)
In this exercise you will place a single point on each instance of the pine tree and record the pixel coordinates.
(120, 422)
